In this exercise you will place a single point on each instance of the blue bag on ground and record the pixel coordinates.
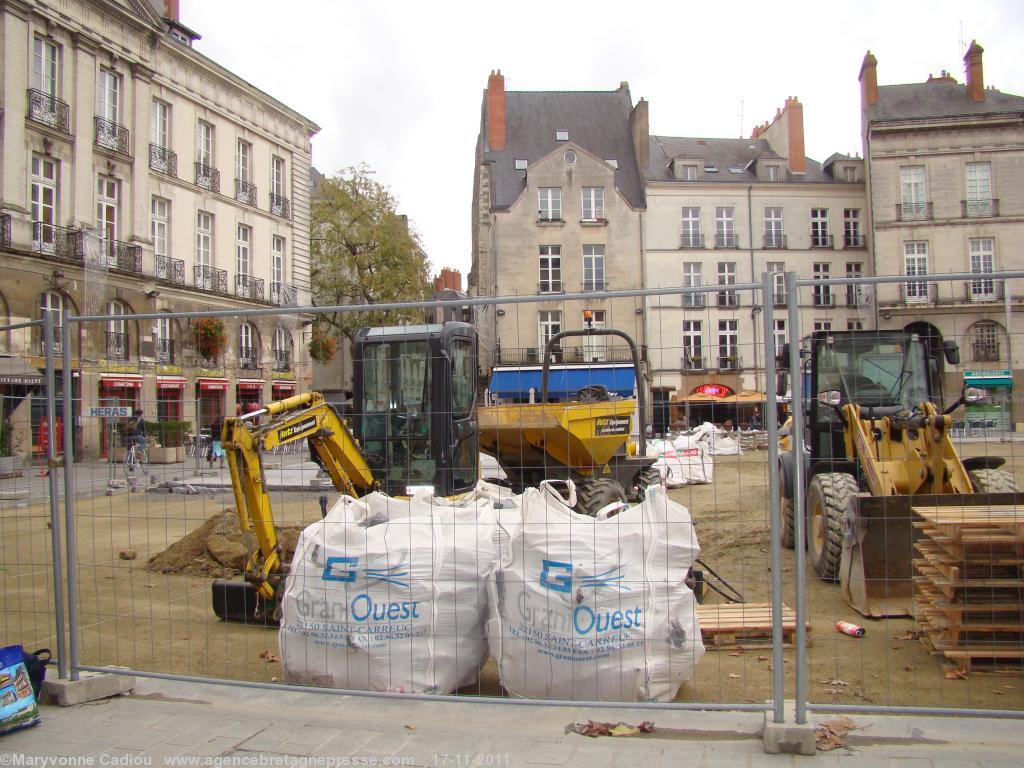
(18, 707)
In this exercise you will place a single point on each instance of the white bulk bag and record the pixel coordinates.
(389, 595)
(586, 609)
(682, 461)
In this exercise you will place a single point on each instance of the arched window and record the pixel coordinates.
(117, 331)
(163, 339)
(248, 346)
(52, 302)
(984, 338)
(282, 349)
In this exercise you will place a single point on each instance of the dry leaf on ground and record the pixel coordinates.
(269, 657)
(955, 674)
(829, 735)
(595, 728)
(911, 635)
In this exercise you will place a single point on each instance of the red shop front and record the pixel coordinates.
(249, 392)
(169, 391)
(210, 402)
(282, 389)
(117, 389)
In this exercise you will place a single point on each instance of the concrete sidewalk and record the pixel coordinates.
(163, 719)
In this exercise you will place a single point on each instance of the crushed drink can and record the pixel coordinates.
(847, 628)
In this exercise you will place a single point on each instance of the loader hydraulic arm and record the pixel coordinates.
(306, 416)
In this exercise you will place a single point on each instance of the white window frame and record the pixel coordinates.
(160, 124)
(852, 237)
(108, 208)
(855, 293)
(691, 228)
(912, 192)
(116, 308)
(108, 95)
(727, 277)
(593, 203)
(160, 225)
(915, 262)
(44, 189)
(45, 66)
(779, 336)
(819, 228)
(773, 232)
(550, 269)
(822, 293)
(246, 339)
(693, 345)
(982, 253)
(243, 161)
(728, 345)
(277, 176)
(725, 227)
(595, 348)
(549, 203)
(243, 250)
(549, 324)
(204, 239)
(593, 268)
(778, 273)
(689, 172)
(205, 137)
(978, 187)
(277, 259)
(822, 325)
(693, 278)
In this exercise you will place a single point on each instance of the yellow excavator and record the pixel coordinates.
(413, 426)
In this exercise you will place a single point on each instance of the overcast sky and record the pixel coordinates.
(398, 84)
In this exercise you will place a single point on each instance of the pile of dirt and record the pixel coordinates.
(218, 548)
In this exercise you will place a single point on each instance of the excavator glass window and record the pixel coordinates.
(874, 370)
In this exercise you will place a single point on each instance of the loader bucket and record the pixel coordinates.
(876, 571)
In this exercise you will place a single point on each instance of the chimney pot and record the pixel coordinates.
(496, 111)
(975, 72)
(868, 80)
(171, 10)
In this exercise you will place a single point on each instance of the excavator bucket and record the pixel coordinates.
(876, 572)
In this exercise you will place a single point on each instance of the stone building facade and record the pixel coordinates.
(140, 176)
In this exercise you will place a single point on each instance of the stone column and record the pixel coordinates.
(14, 171)
(82, 99)
(137, 208)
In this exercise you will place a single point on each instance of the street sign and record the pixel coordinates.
(110, 411)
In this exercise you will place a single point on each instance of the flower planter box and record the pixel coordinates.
(162, 455)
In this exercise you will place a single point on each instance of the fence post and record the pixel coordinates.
(70, 534)
(774, 498)
(51, 418)
(797, 442)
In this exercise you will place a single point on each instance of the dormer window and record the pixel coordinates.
(521, 165)
(613, 163)
(772, 172)
(710, 169)
(849, 173)
(561, 135)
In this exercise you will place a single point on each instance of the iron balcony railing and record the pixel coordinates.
(550, 286)
(821, 240)
(114, 254)
(248, 358)
(774, 240)
(245, 192)
(117, 345)
(694, 300)
(51, 240)
(207, 177)
(854, 241)
(857, 295)
(728, 299)
(49, 110)
(596, 285)
(111, 135)
(249, 287)
(984, 289)
(913, 211)
(986, 351)
(918, 292)
(209, 362)
(284, 295)
(210, 278)
(279, 206)
(979, 209)
(694, 361)
(691, 240)
(170, 270)
(282, 360)
(730, 362)
(163, 160)
(824, 298)
(726, 240)
(164, 350)
(549, 216)
(5, 230)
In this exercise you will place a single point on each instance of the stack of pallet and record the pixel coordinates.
(969, 584)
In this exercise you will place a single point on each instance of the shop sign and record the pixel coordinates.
(211, 373)
(713, 390)
(168, 369)
(286, 375)
(108, 367)
(109, 411)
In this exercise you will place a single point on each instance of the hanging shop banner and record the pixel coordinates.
(213, 385)
(250, 383)
(170, 382)
(121, 381)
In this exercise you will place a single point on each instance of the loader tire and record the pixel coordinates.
(788, 527)
(830, 497)
(648, 476)
(592, 495)
(993, 481)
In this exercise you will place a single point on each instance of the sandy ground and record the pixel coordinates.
(134, 618)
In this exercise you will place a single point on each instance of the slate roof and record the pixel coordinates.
(597, 121)
(916, 101)
(721, 153)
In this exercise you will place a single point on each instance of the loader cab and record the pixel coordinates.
(414, 406)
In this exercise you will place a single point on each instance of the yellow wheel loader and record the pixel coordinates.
(876, 444)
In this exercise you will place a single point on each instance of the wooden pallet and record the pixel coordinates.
(746, 625)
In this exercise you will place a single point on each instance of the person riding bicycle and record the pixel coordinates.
(135, 432)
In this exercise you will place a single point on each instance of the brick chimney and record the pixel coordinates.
(794, 112)
(975, 76)
(639, 126)
(868, 80)
(171, 10)
(449, 279)
(496, 111)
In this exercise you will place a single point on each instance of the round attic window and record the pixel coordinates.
(569, 158)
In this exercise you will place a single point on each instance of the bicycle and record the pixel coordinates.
(135, 457)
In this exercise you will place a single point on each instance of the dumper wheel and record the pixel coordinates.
(788, 529)
(829, 497)
(592, 495)
(993, 481)
(648, 476)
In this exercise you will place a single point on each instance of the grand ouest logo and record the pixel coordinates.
(362, 607)
(558, 576)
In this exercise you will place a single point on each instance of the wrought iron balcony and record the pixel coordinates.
(854, 241)
(695, 300)
(728, 299)
(726, 240)
(694, 361)
(249, 287)
(164, 349)
(114, 254)
(595, 285)
(210, 279)
(209, 362)
(282, 360)
(207, 177)
(283, 294)
(5, 230)
(48, 110)
(918, 292)
(117, 345)
(248, 358)
(985, 351)
(171, 270)
(984, 289)
(858, 295)
(821, 240)
(550, 286)
(279, 206)
(111, 135)
(691, 240)
(730, 362)
(51, 240)
(774, 240)
(824, 298)
(913, 211)
(979, 209)
(163, 160)
(245, 192)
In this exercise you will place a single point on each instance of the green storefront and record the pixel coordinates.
(995, 411)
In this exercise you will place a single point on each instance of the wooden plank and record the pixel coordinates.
(747, 625)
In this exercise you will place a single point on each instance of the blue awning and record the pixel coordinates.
(563, 382)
